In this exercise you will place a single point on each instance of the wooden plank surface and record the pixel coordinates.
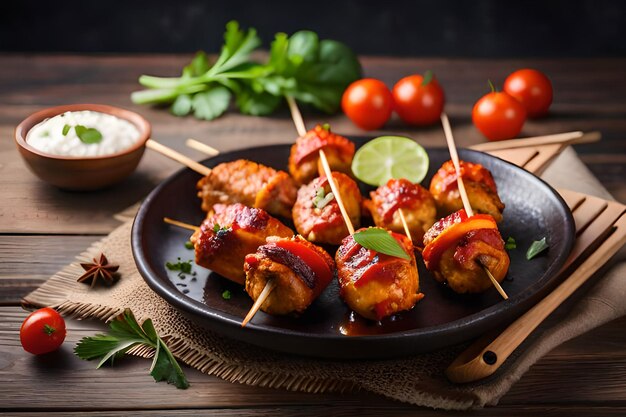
(41, 229)
(588, 371)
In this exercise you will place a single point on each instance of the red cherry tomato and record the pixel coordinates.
(368, 103)
(498, 116)
(532, 88)
(419, 100)
(43, 331)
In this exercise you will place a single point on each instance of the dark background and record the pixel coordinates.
(481, 28)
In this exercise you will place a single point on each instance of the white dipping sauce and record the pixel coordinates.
(117, 134)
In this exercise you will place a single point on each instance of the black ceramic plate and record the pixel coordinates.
(328, 328)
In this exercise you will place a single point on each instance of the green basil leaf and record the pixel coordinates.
(381, 241)
(88, 135)
(536, 248)
(211, 104)
(66, 130)
(182, 105)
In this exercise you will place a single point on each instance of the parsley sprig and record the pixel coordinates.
(302, 66)
(125, 334)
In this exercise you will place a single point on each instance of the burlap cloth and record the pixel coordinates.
(418, 380)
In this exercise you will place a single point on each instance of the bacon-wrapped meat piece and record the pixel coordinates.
(481, 189)
(299, 269)
(249, 183)
(417, 205)
(376, 285)
(457, 248)
(316, 213)
(304, 164)
(233, 231)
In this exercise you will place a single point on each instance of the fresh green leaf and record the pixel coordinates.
(237, 48)
(303, 47)
(256, 103)
(211, 104)
(226, 295)
(312, 71)
(125, 334)
(536, 248)
(199, 64)
(189, 245)
(66, 130)
(510, 244)
(182, 105)
(165, 368)
(380, 240)
(184, 267)
(88, 135)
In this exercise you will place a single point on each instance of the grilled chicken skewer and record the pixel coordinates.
(465, 250)
(401, 202)
(239, 181)
(225, 238)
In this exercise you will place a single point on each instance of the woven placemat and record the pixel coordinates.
(417, 380)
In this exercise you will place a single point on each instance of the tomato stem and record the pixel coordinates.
(49, 330)
(428, 76)
(493, 88)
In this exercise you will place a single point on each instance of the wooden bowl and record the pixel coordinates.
(82, 173)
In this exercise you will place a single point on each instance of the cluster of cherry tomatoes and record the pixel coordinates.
(419, 101)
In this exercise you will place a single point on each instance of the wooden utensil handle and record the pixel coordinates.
(568, 138)
(475, 364)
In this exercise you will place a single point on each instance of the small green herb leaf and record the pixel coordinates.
(88, 134)
(184, 267)
(428, 77)
(536, 248)
(211, 104)
(226, 295)
(181, 106)
(66, 130)
(322, 199)
(125, 334)
(381, 241)
(189, 245)
(510, 244)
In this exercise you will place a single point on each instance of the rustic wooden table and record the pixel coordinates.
(43, 228)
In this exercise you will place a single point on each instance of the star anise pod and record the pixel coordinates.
(99, 270)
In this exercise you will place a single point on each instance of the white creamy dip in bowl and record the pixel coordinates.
(82, 146)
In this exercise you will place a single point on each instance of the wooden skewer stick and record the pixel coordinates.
(269, 287)
(455, 160)
(335, 189)
(296, 115)
(405, 225)
(466, 204)
(202, 147)
(176, 156)
(271, 284)
(180, 224)
(567, 138)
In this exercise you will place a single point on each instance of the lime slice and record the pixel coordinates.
(388, 157)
